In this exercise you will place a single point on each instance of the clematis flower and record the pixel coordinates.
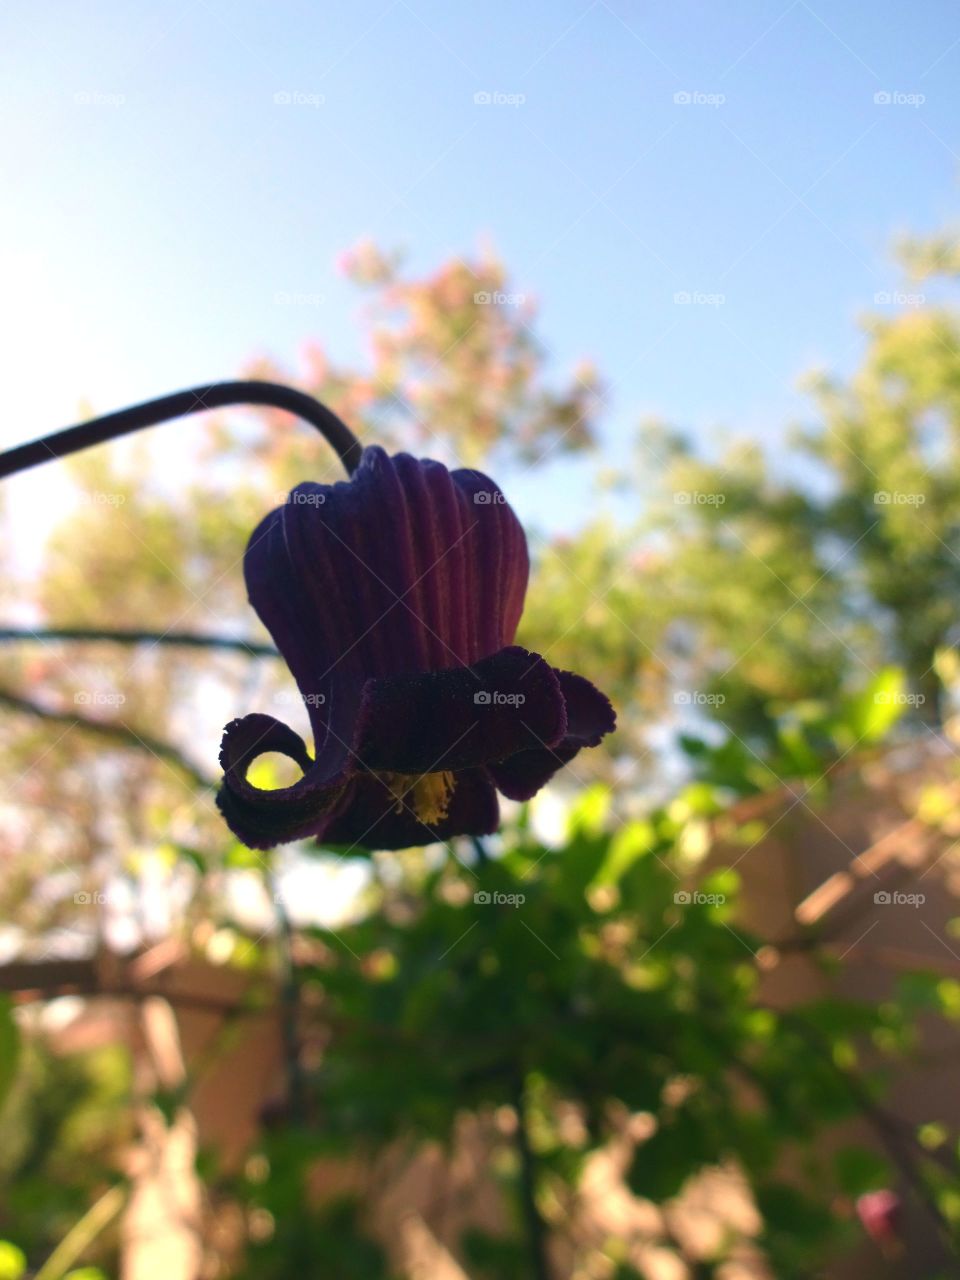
(394, 598)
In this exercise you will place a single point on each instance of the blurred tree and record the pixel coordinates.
(755, 607)
(798, 578)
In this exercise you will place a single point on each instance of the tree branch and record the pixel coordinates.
(184, 639)
(113, 731)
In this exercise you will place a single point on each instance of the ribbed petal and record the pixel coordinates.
(397, 570)
(589, 718)
(261, 818)
(463, 717)
(372, 818)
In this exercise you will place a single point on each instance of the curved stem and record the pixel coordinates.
(214, 395)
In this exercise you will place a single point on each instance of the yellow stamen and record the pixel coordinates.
(427, 795)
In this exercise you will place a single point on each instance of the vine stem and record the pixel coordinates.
(83, 1233)
(480, 849)
(289, 1009)
(536, 1227)
(213, 395)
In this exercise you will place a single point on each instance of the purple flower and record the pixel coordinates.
(394, 598)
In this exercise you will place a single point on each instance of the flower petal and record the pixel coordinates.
(462, 717)
(263, 818)
(589, 717)
(522, 776)
(373, 818)
(398, 570)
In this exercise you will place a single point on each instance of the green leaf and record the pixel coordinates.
(869, 715)
(239, 858)
(589, 814)
(9, 1047)
(630, 843)
(859, 1170)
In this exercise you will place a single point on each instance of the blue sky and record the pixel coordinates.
(157, 197)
